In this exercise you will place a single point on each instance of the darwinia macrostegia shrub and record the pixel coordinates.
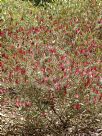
(56, 64)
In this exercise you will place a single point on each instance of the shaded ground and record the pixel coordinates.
(13, 124)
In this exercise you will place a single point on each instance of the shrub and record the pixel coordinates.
(53, 59)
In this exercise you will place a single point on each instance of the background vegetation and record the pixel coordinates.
(51, 66)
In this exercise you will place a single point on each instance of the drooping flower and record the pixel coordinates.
(57, 86)
(5, 56)
(28, 104)
(2, 34)
(2, 90)
(23, 71)
(17, 103)
(17, 81)
(1, 64)
(21, 51)
(65, 92)
(17, 68)
(63, 57)
(95, 91)
(77, 71)
(77, 106)
(53, 51)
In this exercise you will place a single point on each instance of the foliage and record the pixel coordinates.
(52, 57)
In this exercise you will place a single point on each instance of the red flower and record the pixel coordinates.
(52, 51)
(5, 56)
(43, 70)
(57, 86)
(2, 34)
(95, 91)
(86, 63)
(49, 60)
(63, 57)
(77, 71)
(77, 106)
(65, 92)
(2, 90)
(21, 29)
(23, 71)
(1, 64)
(82, 51)
(9, 33)
(21, 51)
(18, 103)
(62, 67)
(28, 104)
(45, 79)
(77, 31)
(17, 68)
(17, 81)
(36, 30)
(36, 65)
(94, 68)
